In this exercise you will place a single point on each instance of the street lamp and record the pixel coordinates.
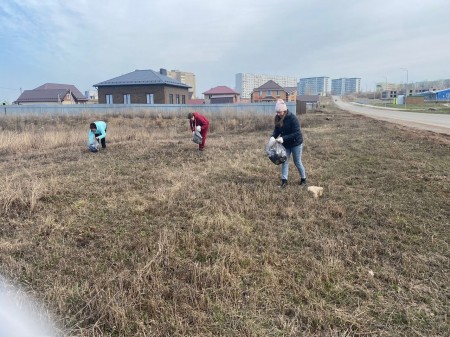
(406, 85)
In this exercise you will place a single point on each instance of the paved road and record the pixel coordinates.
(439, 123)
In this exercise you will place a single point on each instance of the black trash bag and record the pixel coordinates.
(197, 137)
(276, 153)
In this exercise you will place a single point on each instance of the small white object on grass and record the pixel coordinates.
(316, 191)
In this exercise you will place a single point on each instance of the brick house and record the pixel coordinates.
(292, 93)
(143, 87)
(221, 94)
(271, 91)
(52, 93)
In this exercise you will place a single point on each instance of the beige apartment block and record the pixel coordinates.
(186, 78)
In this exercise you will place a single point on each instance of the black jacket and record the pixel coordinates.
(290, 131)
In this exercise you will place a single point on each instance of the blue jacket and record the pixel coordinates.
(290, 131)
(101, 131)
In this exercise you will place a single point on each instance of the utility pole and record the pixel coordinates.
(386, 91)
(406, 85)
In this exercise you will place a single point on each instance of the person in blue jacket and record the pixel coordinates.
(287, 132)
(98, 132)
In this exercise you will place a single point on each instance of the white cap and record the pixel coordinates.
(280, 106)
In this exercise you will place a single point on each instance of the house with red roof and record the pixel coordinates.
(220, 95)
(52, 93)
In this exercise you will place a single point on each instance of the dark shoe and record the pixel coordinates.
(303, 182)
(284, 183)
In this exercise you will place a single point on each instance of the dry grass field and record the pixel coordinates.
(153, 238)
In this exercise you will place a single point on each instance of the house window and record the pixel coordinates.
(260, 93)
(178, 99)
(170, 98)
(278, 93)
(150, 99)
(109, 99)
(126, 99)
(269, 92)
(183, 99)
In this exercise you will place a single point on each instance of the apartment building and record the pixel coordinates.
(246, 83)
(186, 78)
(383, 86)
(342, 86)
(314, 86)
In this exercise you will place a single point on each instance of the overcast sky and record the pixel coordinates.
(83, 42)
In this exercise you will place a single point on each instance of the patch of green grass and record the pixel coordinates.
(436, 108)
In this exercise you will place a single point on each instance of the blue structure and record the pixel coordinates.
(443, 95)
(438, 95)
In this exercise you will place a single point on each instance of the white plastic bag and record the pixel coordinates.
(94, 146)
(276, 153)
(197, 137)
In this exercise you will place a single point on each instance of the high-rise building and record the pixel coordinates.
(245, 82)
(342, 86)
(314, 86)
(186, 78)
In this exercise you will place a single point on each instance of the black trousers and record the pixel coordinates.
(103, 140)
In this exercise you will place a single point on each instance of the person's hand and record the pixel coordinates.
(193, 132)
(280, 140)
(199, 128)
(271, 141)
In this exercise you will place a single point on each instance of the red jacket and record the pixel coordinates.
(199, 120)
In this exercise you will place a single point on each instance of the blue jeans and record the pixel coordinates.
(297, 155)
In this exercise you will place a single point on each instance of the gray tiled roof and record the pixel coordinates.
(290, 90)
(50, 92)
(52, 86)
(142, 77)
(270, 85)
(48, 95)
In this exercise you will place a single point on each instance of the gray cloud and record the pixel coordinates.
(85, 42)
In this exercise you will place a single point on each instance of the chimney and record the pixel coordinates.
(163, 71)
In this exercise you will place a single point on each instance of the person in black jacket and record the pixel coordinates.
(287, 132)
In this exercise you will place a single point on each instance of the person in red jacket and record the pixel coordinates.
(200, 123)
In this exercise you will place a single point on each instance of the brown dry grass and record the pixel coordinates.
(152, 238)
